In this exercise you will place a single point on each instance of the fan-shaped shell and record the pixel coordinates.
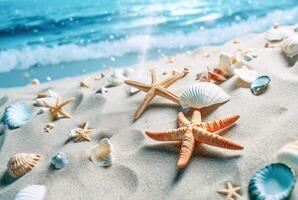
(275, 181)
(290, 46)
(203, 94)
(102, 154)
(288, 154)
(21, 163)
(59, 160)
(32, 192)
(225, 64)
(16, 115)
(246, 74)
(275, 35)
(259, 85)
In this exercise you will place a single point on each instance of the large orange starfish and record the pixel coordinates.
(190, 132)
(58, 108)
(156, 88)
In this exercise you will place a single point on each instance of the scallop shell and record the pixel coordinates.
(59, 160)
(288, 154)
(203, 94)
(16, 115)
(102, 154)
(275, 181)
(21, 163)
(246, 74)
(275, 35)
(115, 79)
(290, 47)
(225, 64)
(32, 192)
(259, 85)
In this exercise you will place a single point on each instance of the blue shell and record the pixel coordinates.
(274, 182)
(59, 160)
(259, 85)
(16, 115)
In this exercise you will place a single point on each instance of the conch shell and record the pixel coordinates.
(21, 163)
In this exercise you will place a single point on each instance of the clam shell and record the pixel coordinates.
(203, 94)
(275, 35)
(102, 154)
(32, 192)
(288, 154)
(225, 64)
(59, 160)
(246, 74)
(275, 181)
(115, 79)
(259, 85)
(16, 115)
(21, 163)
(290, 47)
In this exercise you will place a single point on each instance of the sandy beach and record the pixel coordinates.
(144, 168)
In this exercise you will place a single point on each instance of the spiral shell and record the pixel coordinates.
(21, 163)
(288, 154)
(275, 181)
(102, 154)
(290, 46)
(16, 115)
(203, 94)
(32, 192)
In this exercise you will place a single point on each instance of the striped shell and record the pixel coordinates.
(21, 163)
(203, 94)
(102, 154)
(275, 35)
(288, 154)
(275, 181)
(259, 85)
(246, 74)
(32, 192)
(290, 46)
(16, 115)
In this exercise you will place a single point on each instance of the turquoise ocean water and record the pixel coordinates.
(61, 38)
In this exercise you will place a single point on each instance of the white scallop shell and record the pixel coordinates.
(225, 64)
(115, 79)
(246, 74)
(275, 35)
(102, 154)
(32, 192)
(203, 94)
(288, 154)
(290, 46)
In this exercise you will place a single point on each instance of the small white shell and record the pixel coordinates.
(72, 133)
(32, 192)
(203, 94)
(225, 64)
(246, 74)
(35, 82)
(115, 79)
(275, 35)
(102, 154)
(290, 47)
(288, 154)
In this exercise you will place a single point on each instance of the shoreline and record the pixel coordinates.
(144, 168)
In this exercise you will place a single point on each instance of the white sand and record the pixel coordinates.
(146, 169)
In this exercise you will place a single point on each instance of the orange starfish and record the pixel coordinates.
(196, 131)
(58, 108)
(156, 88)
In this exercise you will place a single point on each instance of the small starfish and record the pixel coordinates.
(81, 133)
(196, 131)
(57, 109)
(231, 192)
(156, 88)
